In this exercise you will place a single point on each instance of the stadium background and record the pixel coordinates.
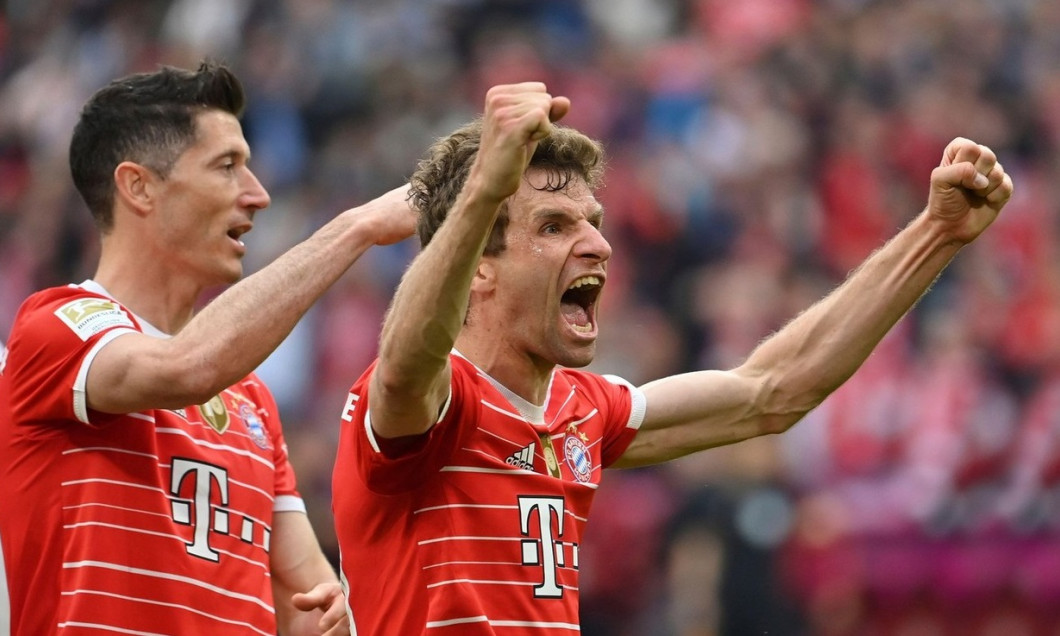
(759, 150)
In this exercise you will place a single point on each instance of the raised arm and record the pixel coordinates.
(793, 371)
(232, 335)
(411, 380)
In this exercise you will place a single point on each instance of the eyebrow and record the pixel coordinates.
(596, 216)
(231, 153)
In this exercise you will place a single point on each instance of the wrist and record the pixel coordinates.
(941, 232)
(482, 192)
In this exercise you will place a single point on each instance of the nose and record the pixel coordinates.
(593, 245)
(252, 194)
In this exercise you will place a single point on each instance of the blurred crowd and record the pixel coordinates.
(759, 150)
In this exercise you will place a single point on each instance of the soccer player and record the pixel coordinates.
(144, 477)
(472, 447)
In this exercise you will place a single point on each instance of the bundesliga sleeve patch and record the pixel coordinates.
(88, 316)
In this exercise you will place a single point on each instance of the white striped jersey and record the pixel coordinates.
(475, 527)
(157, 522)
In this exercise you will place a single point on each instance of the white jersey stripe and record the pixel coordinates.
(109, 449)
(536, 624)
(113, 507)
(253, 488)
(188, 608)
(491, 582)
(514, 416)
(439, 565)
(135, 485)
(114, 526)
(76, 482)
(458, 621)
(591, 415)
(566, 401)
(449, 506)
(503, 439)
(171, 577)
(107, 628)
(487, 506)
(220, 447)
(477, 452)
(507, 471)
(467, 538)
(491, 471)
(482, 582)
(166, 535)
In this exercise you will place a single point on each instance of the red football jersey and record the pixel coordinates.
(149, 522)
(475, 527)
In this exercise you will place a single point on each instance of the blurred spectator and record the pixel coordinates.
(746, 176)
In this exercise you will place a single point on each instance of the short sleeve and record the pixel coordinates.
(626, 406)
(56, 335)
(387, 467)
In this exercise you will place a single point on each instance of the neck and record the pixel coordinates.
(519, 372)
(147, 287)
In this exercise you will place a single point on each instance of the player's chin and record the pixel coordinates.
(228, 273)
(578, 356)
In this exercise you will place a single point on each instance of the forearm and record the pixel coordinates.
(232, 335)
(289, 618)
(427, 314)
(822, 347)
(792, 371)
(297, 565)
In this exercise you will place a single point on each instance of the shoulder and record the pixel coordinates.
(83, 312)
(613, 394)
(63, 323)
(589, 381)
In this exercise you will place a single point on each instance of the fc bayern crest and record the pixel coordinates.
(577, 454)
(255, 427)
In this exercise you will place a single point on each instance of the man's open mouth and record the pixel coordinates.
(578, 303)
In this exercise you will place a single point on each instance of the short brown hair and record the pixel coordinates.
(564, 155)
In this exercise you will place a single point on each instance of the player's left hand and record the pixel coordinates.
(968, 189)
(326, 598)
(391, 217)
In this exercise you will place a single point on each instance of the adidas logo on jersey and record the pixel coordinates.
(523, 458)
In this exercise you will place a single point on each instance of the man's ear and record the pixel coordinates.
(485, 278)
(133, 186)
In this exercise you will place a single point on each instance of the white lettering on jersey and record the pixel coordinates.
(543, 552)
(196, 512)
(347, 411)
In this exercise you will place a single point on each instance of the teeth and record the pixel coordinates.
(583, 281)
(583, 328)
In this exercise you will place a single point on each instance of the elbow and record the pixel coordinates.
(782, 405)
(775, 424)
(397, 386)
(194, 380)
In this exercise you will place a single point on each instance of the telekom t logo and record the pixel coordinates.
(548, 551)
(202, 476)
